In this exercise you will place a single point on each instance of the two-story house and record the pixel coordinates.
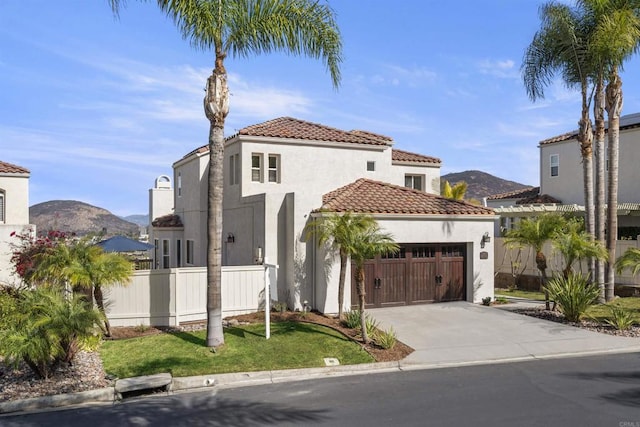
(282, 173)
(14, 214)
(561, 181)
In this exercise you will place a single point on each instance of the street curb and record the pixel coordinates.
(99, 395)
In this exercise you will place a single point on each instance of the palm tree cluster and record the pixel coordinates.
(587, 45)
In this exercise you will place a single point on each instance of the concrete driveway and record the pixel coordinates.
(456, 333)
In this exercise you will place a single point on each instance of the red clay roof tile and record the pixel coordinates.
(516, 194)
(374, 197)
(405, 156)
(11, 168)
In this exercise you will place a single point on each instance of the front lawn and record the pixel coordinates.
(600, 312)
(292, 345)
(517, 293)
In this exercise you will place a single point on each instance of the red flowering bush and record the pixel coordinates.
(28, 250)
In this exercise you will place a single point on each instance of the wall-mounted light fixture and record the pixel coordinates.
(485, 239)
(259, 258)
(231, 238)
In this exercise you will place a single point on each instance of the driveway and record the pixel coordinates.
(464, 333)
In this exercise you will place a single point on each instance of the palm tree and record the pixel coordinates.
(616, 38)
(575, 245)
(561, 46)
(456, 192)
(339, 231)
(631, 260)
(535, 232)
(367, 244)
(243, 28)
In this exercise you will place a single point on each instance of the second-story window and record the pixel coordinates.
(371, 166)
(234, 169)
(414, 181)
(2, 203)
(179, 184)
(274, 168)
(554, 162)
(256, 167)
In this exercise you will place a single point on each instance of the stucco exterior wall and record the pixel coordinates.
(16, 191)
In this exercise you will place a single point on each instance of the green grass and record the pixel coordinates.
(292, 345)
(600, 312)
(534, 295)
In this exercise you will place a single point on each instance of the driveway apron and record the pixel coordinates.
(462, 332)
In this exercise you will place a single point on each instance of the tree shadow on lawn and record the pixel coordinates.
(286, 328)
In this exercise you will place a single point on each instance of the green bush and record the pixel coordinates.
(352, 319)
(621, 319)
(385, 339)
(486, 301)
(47, 329)
(573, 295)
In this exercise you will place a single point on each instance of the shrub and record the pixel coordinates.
(352, 319)
(573, 294)
(279, 306)
(371, 324)
(486, 301)
(621, 319)
(47, 329)
(501, 300)
(385, 339)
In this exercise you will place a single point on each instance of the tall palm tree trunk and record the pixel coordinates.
(99, 297)
(361, 302)
(614, 108)
(541, 263)
(600, 218)
(216, 106)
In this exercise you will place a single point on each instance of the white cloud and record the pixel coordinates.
(504, 69)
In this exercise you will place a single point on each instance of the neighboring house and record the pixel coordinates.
(561, 181)
(14, 214)
(281, 173)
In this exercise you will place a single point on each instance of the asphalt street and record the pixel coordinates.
(582, 391)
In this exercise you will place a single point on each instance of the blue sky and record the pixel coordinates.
(98, 107)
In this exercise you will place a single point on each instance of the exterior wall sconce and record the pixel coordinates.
(485, 239)
(259, 259)
(231, 238)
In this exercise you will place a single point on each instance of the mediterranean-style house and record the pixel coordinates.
(561, 182)
(14, 213)
(280, 174)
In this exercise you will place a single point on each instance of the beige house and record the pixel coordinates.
(280, 173)
(14, 214)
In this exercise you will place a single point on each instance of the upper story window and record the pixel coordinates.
(178, 253)
(190, 252)
(414, 181)
(371, 166)
(274, 168)
(179, 184)
(2, 205)
(234, 169)
(554, 162)
(166, 255)
(256, 167)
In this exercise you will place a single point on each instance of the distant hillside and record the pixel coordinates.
(481, 184)
(77, 217)
(141, 220)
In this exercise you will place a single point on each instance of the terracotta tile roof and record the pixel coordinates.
(374, 197)
(629, 121)
(516, 194)
(405, 156)
(11, 168)
(539, 200)
(167, 221)
(287, 127)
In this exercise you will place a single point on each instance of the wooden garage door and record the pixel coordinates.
(417, 274)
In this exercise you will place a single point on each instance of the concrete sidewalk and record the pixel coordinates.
(443, 335)
(463, 333)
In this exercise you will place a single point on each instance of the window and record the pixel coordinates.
(179, 184)
(371, 166)
(166, 256)
(234, 169)
(190, 252)
(156, 246)
(554, 161)
(178, 253)
(414, 181)
(2, 203)
(274, 168)
(256, 167)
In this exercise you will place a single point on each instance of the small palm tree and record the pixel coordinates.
(575, 245)
(339, 231)
(535, 232)
(367, 244)
(629, 260)
(456, 192)
(243, 28)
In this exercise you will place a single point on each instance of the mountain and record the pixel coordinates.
(141, 220)
(80, 218)
(481, 184)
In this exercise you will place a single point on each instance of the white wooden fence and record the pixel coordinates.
(170, 297)
(523, 261)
